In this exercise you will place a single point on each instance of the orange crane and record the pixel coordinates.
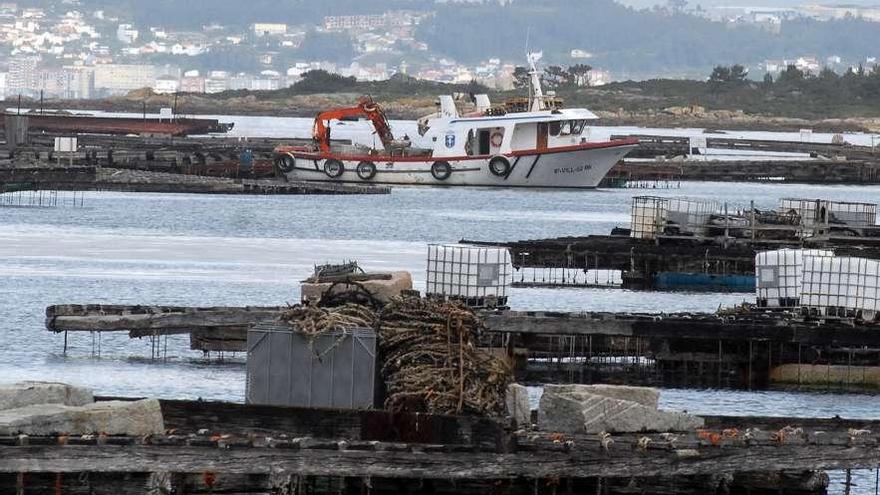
(365, 107)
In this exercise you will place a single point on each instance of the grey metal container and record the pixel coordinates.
(285, 368)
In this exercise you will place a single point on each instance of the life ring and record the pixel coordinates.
(496, 139)
(285, 163)
(441, 170)
(366, 170)
(333, 168)
(499, 166)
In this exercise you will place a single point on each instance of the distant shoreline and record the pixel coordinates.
(708, 120)
(658, 103)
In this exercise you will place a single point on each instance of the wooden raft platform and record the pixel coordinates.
(218, 443)
(145, 321)
(210, 328)
(741, 350)
(639, 259)
(89, 178)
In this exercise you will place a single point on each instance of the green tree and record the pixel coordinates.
(720, 74)
(580, 74)
(520, 77)
(738, 73)
(791, 75)
(320, 81)
(556, 77)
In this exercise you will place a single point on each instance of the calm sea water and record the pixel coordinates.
(232, 250)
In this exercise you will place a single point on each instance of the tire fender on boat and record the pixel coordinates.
(441, 170)
(499, 166)
(333, 168)
(285, 162)
(366, 170)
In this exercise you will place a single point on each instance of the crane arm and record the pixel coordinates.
(365, 107)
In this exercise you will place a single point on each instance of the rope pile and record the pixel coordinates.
(431, 362)
(352, 293)
(314, 321)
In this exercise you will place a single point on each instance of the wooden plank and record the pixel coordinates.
(161, 323)
(558, 325)
(700, 326)
(428, 464)
(230, 323)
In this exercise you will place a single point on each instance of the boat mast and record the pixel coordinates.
(537, 94)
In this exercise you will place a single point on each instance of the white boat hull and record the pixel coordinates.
(578, 168)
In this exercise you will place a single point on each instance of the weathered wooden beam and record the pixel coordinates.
(429, 463)
(698, 326)
(231, 323)
(227, 339)
(557, 324)
(159, 322)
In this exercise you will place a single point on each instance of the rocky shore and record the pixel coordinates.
(699, 117)
(414, 107)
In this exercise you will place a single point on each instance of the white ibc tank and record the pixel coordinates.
(648, 217)
(651, 215)
(778, 276)
(690, 215)
(474, 274)
(841, 286)
(819, 212)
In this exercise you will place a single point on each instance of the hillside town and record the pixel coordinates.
(73, 52)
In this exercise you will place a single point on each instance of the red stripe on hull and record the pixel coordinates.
(298, 152)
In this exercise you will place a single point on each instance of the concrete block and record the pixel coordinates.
(23, 394)
(645, 396)
(383, 290)
(574, 410)
(135, 418)
(517, 402)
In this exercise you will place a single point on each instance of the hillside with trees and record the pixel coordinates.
(633, 43)
(625, 40)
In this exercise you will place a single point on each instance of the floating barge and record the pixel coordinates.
(91, 178)
(60, 123)
(659, 158)
(215, 447)
(746, 351)
(679, 243)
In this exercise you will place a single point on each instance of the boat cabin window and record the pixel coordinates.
(567, 127)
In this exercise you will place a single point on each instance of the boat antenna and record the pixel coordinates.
(529, 60)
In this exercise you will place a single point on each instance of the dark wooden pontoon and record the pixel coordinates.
(215, 447)
(739, 350)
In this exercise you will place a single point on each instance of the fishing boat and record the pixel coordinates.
(532, 143)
